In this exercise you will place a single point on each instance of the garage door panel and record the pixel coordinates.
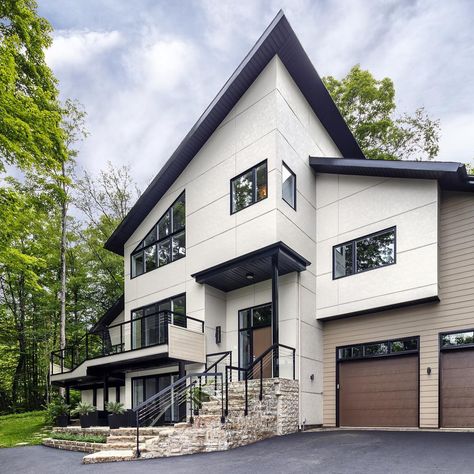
(457, 389)
(379, 392)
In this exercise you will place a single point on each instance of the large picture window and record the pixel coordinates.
(165, 243)
(249, 187)
(363, 254)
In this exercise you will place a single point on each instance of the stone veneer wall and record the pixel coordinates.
(275, 415)
(69, 445)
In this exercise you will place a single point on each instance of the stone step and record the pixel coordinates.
(124, 445)
(109, 456)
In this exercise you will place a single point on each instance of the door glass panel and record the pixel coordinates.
(245, 318)
(137, 329)
(245, 348)
(137, 392)
(262, 316)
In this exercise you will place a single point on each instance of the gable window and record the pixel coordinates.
(363, 254)
(288, 186)
(165, 243)
(249, 187)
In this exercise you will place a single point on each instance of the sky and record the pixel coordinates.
(145, 70)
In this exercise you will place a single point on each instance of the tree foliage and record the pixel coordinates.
(369, 108)
(30, 113)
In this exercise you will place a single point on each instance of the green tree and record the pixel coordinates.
(368, 106)
(30, 113)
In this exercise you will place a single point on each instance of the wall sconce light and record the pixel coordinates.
(250, 276)
(311, 377)
(428, 370)
(218, 334)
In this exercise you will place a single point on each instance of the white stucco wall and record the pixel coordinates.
(349, 207)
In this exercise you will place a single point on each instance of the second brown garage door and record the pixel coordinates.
(379, 392)
(457, 389)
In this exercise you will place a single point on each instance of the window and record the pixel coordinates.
(149, 323)
(458, 339)
(367, 253)
(249, 187)
(377, 349)
(165, 243)
(288, 186)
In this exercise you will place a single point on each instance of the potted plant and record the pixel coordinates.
(117, 416)
(199, 395)
(57, 412)
(87, 413)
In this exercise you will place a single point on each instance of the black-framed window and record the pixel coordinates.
(457, 339)
(165, 243)
(378, 349)
(149, 322)
(249, 187)
(288, 185)
(365, 253)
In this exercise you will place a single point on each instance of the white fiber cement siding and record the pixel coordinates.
(349, 207)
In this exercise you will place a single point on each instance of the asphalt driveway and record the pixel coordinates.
(313, 452)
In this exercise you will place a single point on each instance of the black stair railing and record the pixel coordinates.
(268, 364)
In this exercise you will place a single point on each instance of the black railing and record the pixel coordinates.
(277, 361)
(189, 392)
(146, 331)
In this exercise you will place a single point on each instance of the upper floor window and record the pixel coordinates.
(366, 253)
(165, 243)
(288, 186)
(249, 187)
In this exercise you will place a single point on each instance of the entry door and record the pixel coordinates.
(255, 337)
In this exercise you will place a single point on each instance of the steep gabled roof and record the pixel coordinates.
(109, 315)
(278, 39)
(450, 175)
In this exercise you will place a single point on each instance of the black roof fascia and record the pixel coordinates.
(278, 39)
(450, 175)
(109, 315)
(232, 274)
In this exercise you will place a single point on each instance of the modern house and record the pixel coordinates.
(268, 228)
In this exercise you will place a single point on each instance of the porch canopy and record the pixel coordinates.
(253, 267)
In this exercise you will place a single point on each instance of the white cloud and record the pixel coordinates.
(76, 48)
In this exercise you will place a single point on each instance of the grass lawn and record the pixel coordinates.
(26, 428)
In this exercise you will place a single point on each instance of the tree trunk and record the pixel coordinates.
(62, 291)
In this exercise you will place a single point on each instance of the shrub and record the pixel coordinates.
(77, 437)
(115, 408)
(83, 408)
(56, 407)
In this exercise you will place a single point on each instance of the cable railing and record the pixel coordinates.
(146, 331)
(277, 361)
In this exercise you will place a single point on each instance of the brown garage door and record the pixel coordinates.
(379, 392)
(457, 389)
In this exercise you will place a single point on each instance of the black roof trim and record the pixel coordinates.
(232, 274)
(278, 39)
(109, 315)
(450, 175)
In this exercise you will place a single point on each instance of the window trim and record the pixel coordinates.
(353, 242)
(378, 356)
(294, 190)
(254, 180)
(156, 243)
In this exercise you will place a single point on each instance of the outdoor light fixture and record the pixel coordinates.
(428, 370)
(218, 334)
(311, 377)
(249, 276)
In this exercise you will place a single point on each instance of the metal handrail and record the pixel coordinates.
(80, 352)
(249, 371)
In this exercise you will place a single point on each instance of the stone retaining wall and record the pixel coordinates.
(68, 445)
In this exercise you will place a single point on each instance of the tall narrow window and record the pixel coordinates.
(288, 186)
(367, 253)
(165, 243)
(249, 187)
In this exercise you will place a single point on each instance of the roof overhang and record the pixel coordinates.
(278, 39)
(450, 175)
(252, 268)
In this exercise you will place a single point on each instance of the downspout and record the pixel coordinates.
(299, 351)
